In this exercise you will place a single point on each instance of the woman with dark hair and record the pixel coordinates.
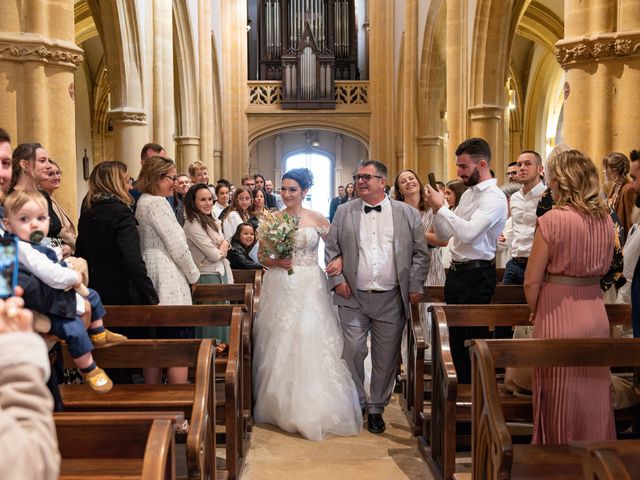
(108, 239)
(453, 190)
(222, 200)
(301, 383)
(207, 245)
(238, 212)
(350, 192)
(618, 188)
(241, 244)
(572, 249)
(258, 206)
(31, 166)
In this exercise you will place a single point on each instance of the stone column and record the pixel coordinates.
(457, 79)
(164, 116)
(205, 86)
(486, 122)
(429, 155)
(37, 60)
(187, 152)
(235, 96)
(381, 84)
(602, 66)
(410, 69)
(129, 135)
(277, 174)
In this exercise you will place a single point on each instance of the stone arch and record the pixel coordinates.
(186, 84)
(494, 28)
(432, 93)
(292, 124)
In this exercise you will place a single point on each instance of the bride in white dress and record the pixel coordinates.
(301, 384)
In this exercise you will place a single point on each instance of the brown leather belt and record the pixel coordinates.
(572, 281)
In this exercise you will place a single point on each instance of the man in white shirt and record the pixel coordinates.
(385, 263)
(475, 226)
(523, 206)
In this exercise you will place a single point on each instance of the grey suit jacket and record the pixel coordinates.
(409, 246)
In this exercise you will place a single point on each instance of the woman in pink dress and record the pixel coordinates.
(572, 248)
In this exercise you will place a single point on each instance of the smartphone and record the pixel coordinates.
(8, 266)
(432, 181)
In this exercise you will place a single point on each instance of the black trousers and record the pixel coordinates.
(474, 286)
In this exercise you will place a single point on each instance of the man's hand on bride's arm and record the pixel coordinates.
(335, 267)
(415, 297)
(343, 289)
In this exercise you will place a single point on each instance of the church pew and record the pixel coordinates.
(450, 406)
(106, 445)
(613, 460)
(494, 456)
(228, 403)
(236, 294)
(196, 400)
(419, 368)
(250, 276)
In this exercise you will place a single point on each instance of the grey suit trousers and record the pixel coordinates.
(383, 314)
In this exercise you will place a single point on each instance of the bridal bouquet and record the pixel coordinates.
(276, 232)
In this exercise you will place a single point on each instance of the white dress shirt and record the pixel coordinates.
(476, 223)
(524, 219)
(376, 263)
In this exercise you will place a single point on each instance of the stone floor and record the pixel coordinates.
(275, 454)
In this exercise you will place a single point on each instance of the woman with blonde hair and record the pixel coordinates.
(164, 251)
(572, 249)
(620, 193)
(108, 239)
(68, 231)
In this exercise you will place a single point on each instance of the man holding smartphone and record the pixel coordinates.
(475, 226)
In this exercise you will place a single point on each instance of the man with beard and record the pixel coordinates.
(632, 247)
(475, 226)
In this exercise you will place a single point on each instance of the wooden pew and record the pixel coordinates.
(237, 294)
(418, 370)
(108, 445)
(494, 455)
(228, 398)
(451, 402)
(616, 460)
(196, 400)
(250, 276)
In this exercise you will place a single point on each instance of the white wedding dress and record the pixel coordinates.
(300, 382)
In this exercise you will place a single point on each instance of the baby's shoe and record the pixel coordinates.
(98, 380)
(107, 339)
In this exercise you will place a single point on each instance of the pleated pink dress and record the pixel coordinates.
(573, 404)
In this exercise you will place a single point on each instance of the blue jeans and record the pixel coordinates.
(97, 310)
(513, 273)
(73, 332)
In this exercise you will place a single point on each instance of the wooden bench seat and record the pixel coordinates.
(229, 407)
(613, 460)
(236, 294)
(494, 456)
(443, 432)
(418, 371)
(196, 400)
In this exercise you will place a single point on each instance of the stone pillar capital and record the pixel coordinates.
(486, 112)
(32, 47)
(571, 52)
(187, 140)
(127, 116)
(430, 141)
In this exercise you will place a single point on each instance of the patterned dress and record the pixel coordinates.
(573, 404)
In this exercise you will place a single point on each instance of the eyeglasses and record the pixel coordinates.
(510, 174)
(172, 178)
(365, 177)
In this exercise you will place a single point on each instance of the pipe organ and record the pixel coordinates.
(307, 44)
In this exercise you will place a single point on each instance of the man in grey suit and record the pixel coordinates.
(381, 246)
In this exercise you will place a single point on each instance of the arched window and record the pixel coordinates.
(321, 164)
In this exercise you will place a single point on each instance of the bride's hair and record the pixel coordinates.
(303, 176)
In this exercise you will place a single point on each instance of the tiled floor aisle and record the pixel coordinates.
(389, 456)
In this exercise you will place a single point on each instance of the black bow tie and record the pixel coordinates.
(377, 208)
